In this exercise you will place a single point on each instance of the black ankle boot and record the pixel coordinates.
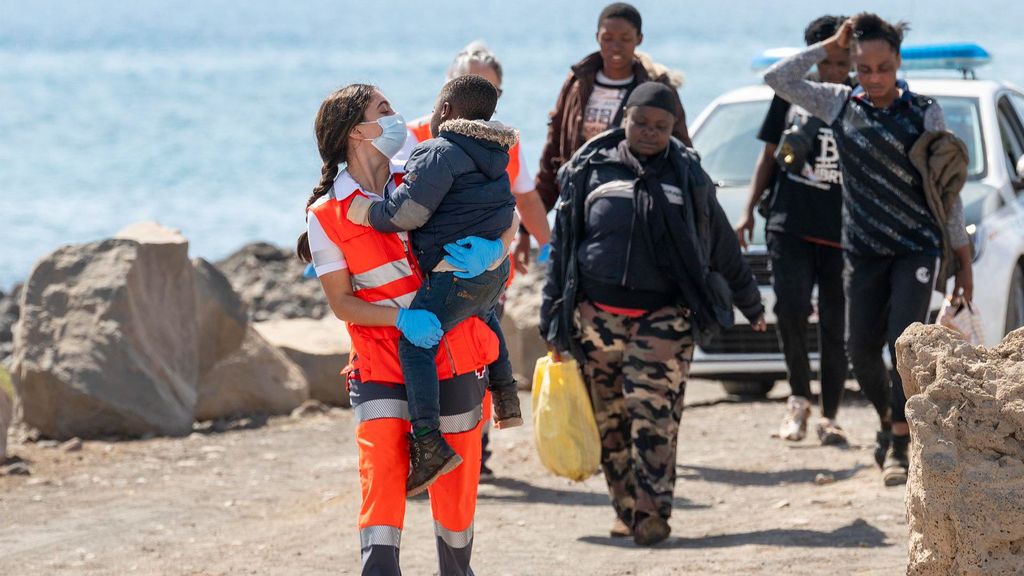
(430, 458)
(883, 439)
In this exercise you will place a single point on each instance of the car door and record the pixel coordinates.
(1011, 132)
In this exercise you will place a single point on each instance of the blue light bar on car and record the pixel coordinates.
(964, 56)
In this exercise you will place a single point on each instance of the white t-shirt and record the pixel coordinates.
(327, 256)
(604, 104)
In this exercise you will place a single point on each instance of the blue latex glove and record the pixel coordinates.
(473, 255)
(420, 327)
(545, 253)
(309, 272)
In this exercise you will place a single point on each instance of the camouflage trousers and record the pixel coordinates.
(635, 369)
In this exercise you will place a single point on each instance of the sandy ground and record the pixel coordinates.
(281, 498)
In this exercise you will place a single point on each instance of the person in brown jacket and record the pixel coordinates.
(594, 94)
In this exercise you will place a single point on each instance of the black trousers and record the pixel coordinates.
(797, 265)
(884, 295)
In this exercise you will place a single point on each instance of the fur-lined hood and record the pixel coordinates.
(485, 142)
(489, 130)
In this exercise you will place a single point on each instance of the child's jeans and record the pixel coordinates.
(452, 300)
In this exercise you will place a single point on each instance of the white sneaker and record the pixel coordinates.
(794, 425)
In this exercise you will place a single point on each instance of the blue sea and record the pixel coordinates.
(199, 114)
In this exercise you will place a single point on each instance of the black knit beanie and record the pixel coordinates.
(654, 94)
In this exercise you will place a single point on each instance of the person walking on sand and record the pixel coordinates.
(896, 249)
(803, 226)
(644, 262)
(370, 279)
(593, 98)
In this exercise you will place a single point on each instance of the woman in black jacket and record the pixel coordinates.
(644, 263)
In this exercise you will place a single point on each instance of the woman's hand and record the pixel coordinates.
(839, 43)
(556, 356)
(759, 325)
(473, 255)
(420, 327)
(963, 285)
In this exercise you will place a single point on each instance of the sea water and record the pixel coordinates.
(199, 114)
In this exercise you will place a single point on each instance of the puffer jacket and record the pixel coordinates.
(455, 186)
(565, 123)
(942, 160)
(715, 238)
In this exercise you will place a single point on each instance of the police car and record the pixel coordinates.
(987, 115)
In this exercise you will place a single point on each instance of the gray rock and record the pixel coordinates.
(269, 279)
(319, 347)
(106, 341)
(256, 378)
(6, 413)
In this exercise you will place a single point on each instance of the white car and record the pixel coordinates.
(988, 116)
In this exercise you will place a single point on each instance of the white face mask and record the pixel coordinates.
(392, 136)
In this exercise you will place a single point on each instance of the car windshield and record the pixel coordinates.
(727, 141)
(728, 144)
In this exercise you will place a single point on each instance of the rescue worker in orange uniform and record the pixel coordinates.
(477, 58)
(369, 279)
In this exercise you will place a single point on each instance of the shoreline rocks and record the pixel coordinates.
(966, 413)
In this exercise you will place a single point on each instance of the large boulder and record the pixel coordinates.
(106, 340)
(240, 372)
(223, 316)
(255, 378)
(319, 347)
(966, 481)
(269, 279)
(520, 322)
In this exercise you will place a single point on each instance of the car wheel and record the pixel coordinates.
(748, 388)
(1015, 300)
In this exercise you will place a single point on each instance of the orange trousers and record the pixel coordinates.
(382, 434)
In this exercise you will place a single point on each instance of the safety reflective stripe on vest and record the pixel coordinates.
(454, 539)
(378, 285)
(458, 423)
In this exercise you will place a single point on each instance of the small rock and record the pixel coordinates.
(73, 445)
(310, 408)
(47, 444)
(822, 479)
(16, 469)
(781, 504)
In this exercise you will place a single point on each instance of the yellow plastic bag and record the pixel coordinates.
(563, 420)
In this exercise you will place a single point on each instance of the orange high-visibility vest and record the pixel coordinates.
(420, 128)
(384, 272)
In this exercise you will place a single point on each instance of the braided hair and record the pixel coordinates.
(338, 115)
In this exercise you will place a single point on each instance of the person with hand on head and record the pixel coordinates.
(370, 280)
(455, 199)
(593, 98)
(804, 220)
(897, 247)
(644, 262)
(477, 58)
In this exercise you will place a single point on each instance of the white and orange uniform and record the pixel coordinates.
(384, 272)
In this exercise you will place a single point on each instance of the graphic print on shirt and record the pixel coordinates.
(823, 170)
(601, 109)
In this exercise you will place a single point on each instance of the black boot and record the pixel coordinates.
(894, 468)
(507, 413)
(883, 439)
(431, 457)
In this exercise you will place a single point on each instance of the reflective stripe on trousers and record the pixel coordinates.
(382, 427)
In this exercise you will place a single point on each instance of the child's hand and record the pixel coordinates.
(473, 255)
(359, 210)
